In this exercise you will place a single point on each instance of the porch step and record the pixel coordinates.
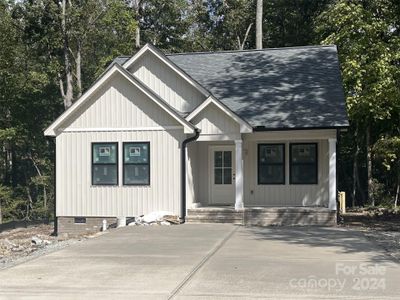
(214, 215)
(265, 216)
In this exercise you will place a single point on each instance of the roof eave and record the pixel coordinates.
(52, 130)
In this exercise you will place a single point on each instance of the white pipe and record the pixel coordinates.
(104, 225)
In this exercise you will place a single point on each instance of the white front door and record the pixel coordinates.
(222, 179)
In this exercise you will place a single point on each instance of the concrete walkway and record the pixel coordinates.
(209, 262)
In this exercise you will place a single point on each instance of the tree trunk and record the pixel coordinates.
(259, 17)
(29, 205)
(1, 216)
(68, 94)
(369, 165)
(242, 43)
(78, 63)
(355, 175)
(136, 6)
(396, 199)
(41, 176)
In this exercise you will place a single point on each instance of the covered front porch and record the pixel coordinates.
(246, 175)
(224, 186)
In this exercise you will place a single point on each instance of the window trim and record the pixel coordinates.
(283, 164)
(116, 163)
(124, 163)
(316, 164)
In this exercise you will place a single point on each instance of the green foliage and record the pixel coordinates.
(368, 48)
(367, 33)
(32, 63)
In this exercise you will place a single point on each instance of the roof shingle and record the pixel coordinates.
(296, 87)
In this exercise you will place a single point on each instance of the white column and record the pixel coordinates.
(239, 175)
(332, 174)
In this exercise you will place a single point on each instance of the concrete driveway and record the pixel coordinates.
(209, 262)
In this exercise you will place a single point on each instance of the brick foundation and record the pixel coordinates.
(67, 225)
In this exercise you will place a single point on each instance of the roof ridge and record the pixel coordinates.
(252, 50)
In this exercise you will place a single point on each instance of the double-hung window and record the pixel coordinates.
(136, 163)
(104, 163)
(271, 164)
(303, 163)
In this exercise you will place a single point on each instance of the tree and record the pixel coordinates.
(259, 24)
(387, 151)
(291, 23)
(367, 35)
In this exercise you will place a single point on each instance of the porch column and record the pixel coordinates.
(239, 175)
(332, 174)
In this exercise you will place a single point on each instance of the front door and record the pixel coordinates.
(222, 179)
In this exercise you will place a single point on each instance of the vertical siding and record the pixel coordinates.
(114, 114)
(77, 197)
(213, 121)
(287, 194)
(120, 105)
(262, 195)
(166, 83)
(198, 152)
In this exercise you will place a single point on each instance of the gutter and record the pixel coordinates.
(183, 172)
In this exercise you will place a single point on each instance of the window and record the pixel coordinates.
(223, 167)
(137, 163)
(104, 164)
(271, 164)
(303, 163)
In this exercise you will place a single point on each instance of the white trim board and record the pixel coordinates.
(244, 126)
(150, 48)
(117, 69)
(155, 128)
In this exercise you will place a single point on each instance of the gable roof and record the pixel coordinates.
(114, 69)
(128, 62)
(295, 87)
(244, 126)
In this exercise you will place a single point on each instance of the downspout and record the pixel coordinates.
(55, 228)
(183, 172)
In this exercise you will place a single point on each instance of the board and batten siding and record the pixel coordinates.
(213, 121)
(118, 104)
(286, 194)
(199, 171)
(118, 113)
(166, 83)
(264, 195)
(77, 197)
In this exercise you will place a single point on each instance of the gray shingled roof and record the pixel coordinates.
(294, 87)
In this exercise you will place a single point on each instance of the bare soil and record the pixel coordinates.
(22, 244)
(379, 225)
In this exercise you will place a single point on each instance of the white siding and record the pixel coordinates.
(287, 194)
(118, 104)
(199, 171)
(212, 120)
(166, 83)
(118, 113)
(266, 195)
(77, 197)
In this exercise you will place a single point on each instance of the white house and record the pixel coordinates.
(242, 136)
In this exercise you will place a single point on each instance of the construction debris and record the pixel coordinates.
(18, 245)
(165, 218)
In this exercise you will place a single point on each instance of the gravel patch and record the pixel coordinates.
(23, 244)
